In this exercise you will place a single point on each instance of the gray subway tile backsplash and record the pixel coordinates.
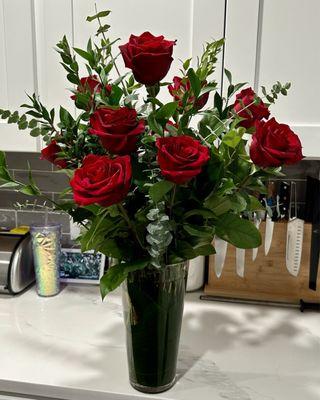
(45, 180)
(20, 160)
(8, 219)
(18, 209)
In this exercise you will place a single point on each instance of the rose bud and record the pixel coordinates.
(181, 157)
(274, 144)
(92, 85)
(180, 86)
(50, 152)
(101, 180)
(118, 129)
(149, 57)
(246, 107)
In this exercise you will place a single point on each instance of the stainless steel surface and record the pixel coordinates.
(220, 256)
(268, 234)
(240, 261)
(16, 263)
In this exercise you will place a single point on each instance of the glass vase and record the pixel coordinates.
(153, 301)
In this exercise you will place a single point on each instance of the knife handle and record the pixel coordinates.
(314, 256)
(309, 306)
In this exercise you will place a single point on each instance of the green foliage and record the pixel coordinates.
(159, 236)
(238, 231)
(158, 190)
(116, 274)
(158, 222)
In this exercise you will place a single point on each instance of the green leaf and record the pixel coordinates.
(207, 214)
(3, 162)
(32, 123)
(35, 132)
(10, 185)
(205, 232)
(102, 29)
(66, 118)
(238, 231)
(233, 137)
(186, 64)
(100, 14)
(194, 82)
(84, 54)
(205, 250)
(218, 102)
(228, 75)
(29, 190)
(166, 111)
(185, 250)
(5, 114)
(158, 190)
(154, 125)
(218, 204)
(116, 274)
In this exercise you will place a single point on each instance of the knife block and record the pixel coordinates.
(266, 278)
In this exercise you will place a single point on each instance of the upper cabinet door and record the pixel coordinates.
(17, 68)
(269, 41)
(31, 29)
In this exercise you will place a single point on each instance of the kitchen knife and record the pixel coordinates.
(295, 229)
(220, 256)
(240, 261)
(270, 206)
(313, 215)
(257, 222)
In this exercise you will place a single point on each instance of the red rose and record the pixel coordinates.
(118, 129)
(148, 56)
(274, 144)
(180, 86)
(246, 107)
(181, 157)
(50, 152)
(92, 85)
(101, 180)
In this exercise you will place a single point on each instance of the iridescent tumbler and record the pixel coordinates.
(46, 254)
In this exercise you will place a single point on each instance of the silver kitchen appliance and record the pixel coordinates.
(16, 262)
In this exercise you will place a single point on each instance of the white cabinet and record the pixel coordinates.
(31, 28)
(266, 41)
(278, 40)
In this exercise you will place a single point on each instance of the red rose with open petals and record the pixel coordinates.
(246, 107)
(180, 86)
(149, 57)
(118, 129)
(101, 180)
(274, 144)
(181, 157)
(50, 152)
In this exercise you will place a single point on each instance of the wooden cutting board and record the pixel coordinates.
(266, 278)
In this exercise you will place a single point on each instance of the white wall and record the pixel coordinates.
(31, 28)
(267, 40)
(270, 40)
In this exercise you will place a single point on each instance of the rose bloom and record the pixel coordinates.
(149, 57)
(253, 112)
(182, 85)
(118, 129)
(181, 157)
(274, 144)
(101, 180)
(91, 84)
(50, 152)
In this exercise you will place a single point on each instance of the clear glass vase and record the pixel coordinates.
(153, 301)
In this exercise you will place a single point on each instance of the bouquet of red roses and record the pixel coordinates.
(149, 186)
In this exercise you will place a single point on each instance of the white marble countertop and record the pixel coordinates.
(72, 347)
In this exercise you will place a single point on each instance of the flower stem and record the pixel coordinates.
(130, 224)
